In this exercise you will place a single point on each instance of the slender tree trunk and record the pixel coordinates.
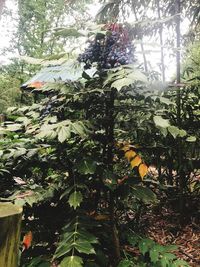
(180, 170)
(141, 45)
(110, 148)
(2, 3)
(10, 224)
(161, 43)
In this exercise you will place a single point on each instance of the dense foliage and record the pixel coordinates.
(9, 92)
(79, 160)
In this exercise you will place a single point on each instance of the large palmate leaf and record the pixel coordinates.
(64, 133)
(160, 122)
(72, 261)
(145, 245)
(86, 166)
(124, 76)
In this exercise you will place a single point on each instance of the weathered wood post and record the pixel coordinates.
(10, 224)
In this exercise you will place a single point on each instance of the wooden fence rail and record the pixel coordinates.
(10, 225)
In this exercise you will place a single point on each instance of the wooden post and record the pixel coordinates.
(10, 224)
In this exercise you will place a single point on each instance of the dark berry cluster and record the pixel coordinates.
(110, 50)
(47, 110)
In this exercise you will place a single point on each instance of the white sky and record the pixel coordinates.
(8, 25)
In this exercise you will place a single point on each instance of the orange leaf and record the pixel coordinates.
(130, 154)
(27, 240)
(143, 170)
(136, 161)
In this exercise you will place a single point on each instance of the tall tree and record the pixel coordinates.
(2, 3)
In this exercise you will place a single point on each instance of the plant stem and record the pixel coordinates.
(141, 45)
(178, 80)
(110, 149)
(161, 43)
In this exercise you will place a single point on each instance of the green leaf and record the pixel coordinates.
(160, 122)
(154, 253)
(182, 133)
(164, 262)
(145, 245)
(145, 194)
(79, 128)
(38, 262)
(191, 138)
(64, 133)
(88, 236)
(163, 131)
(120, 83)
(68, 32)
(72, 261)
(86, 166)
(63, 249)
(66, 192)
(166, 101)
(83, 246)
(75, 199)
(179, 263)
(125, 263)
(174, 131)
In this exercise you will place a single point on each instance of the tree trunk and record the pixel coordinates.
(10, 224)
(2, 3)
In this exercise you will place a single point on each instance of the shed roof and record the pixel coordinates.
(64, 72)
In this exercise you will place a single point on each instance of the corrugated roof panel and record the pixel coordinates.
(63, 72)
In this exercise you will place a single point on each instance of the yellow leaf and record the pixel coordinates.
(143, 169)
(136, 161)
(130, 154)
(126, 147)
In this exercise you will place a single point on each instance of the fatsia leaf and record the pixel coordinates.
(72, 261)
(179, 263)
(182, 133)
(79, 128)
(154, 255)
(173, 130)
(120, 83)
(64, 133)
(160, 122)
(143, 170)
(145, 245)
(86, 166)
(130, 154)
(136, 161)
(75, 199)
(164, 262)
